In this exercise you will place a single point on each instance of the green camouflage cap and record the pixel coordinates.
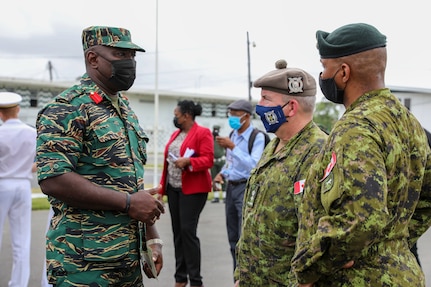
(108, 36)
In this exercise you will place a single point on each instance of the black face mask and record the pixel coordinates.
(123, 73)
(176, 124)
(330, 90)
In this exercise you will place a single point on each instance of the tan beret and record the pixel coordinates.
(288, 81)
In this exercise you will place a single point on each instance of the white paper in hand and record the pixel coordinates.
(146, 251)
(147, 256)
(189, 152)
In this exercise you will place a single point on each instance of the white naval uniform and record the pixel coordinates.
(17, 155)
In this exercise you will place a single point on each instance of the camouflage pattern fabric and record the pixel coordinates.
(367, 199)
(109, 149)
(219, 159)
(108, 36)
(270, 220)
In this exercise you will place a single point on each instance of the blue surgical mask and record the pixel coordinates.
(272, 117)
(235, 122)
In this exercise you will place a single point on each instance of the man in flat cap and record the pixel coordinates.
(367, 197)
(240, 160)
(17, 155)
(90, 155)
(274, 190)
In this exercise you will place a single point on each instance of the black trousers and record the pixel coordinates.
(185, 211)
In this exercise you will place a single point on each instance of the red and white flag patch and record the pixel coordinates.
(330, 166)
(298, 186)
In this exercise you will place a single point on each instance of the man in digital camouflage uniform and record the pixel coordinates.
(367, 198)
(274, 190)
(90, 156)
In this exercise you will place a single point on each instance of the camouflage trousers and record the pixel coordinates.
(124, 277)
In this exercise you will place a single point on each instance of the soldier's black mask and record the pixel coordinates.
(123, 73)
(330, 90)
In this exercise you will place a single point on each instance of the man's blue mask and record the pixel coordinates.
(272, 117)
(235, 122)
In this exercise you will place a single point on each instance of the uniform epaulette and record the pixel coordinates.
(67, 96)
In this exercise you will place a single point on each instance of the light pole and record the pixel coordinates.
(248, 66)
(156, 100)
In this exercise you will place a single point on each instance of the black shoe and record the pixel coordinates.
(215, 200)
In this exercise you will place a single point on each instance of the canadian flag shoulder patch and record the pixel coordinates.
(330, 166)
(298, 187)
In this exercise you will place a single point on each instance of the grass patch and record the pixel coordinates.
(40, 203)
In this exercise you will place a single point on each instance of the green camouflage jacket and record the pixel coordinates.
(367, 198)
(271, 201)
(77, 133)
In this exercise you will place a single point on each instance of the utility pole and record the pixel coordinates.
(248, 66)
(50, 70)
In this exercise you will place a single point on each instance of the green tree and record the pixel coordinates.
(326, 114)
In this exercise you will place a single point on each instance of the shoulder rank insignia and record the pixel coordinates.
(95, 97)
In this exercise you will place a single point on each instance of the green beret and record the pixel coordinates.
(288, 81)
(108, 36)
(348, 40)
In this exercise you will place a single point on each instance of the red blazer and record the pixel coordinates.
(196, 178)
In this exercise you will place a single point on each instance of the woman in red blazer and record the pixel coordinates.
(186, 180)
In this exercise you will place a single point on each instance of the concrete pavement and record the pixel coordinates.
(216, 259)
(217, 263)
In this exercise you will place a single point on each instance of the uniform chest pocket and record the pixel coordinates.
(141, 140)
(107, 133)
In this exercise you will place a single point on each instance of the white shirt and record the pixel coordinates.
(17, 149)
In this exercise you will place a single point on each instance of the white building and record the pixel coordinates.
(214, 108)
(36, 94)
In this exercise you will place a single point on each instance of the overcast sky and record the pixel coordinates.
(202, 44)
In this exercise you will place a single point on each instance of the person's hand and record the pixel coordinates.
(225, 142)
(182, 162)
(145, 207)
(218, 178)
(157, 258)
(348, 264)
(160, 197)
(236, 283)
(345, 266)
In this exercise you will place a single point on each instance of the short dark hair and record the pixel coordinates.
(189, 107)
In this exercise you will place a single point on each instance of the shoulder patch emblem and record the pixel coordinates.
(298, 186)
(328, 183)
(330, 166)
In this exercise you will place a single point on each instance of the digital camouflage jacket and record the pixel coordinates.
(270, 220)
(367, 198)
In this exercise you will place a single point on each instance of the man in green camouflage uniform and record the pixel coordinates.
(367, 198)
(274, 190)
(90, 156)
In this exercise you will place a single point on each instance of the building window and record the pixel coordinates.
(33, 103)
